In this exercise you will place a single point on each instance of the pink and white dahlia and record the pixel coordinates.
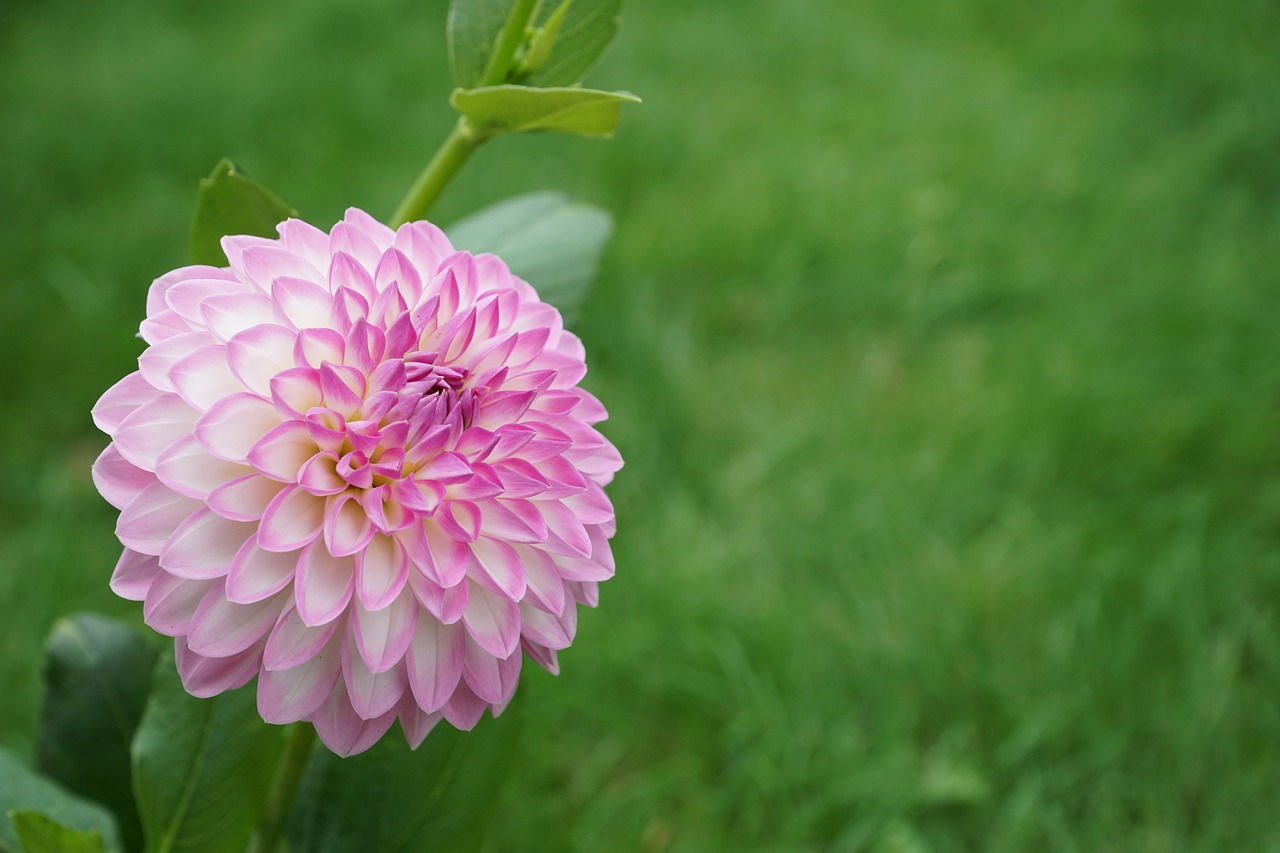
(358, 466)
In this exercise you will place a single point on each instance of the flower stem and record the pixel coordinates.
(464, 138)
(280, 801)
(454, 151)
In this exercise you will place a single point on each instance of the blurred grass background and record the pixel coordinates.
(941, 340)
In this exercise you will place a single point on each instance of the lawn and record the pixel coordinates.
(940, 339)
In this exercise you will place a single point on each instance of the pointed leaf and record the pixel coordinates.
(587, 28)
(391, 799)
(230, 204)
(547, 240)
(473, 27)
(202, 767)
(23, 790)
(39, 833)
(508, 109)
(97, 673)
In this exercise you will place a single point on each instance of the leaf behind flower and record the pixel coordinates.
(23, 790)
(202, 767)
(549, 241)
(229, 203)
(97, 673)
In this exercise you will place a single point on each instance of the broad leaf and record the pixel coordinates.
(506, 109)
(202, 767)
(229, 203)
(473, 27)
(587, 29)
(39, 833)
(549, 241)
(23, 790)
(97, 673)
(393, 800)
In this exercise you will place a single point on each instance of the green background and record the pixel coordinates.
(940, 338)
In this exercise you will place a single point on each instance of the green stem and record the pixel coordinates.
(508, 41)
(280, 801)
(454, 151)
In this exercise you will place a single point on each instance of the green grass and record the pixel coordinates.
(941, 340)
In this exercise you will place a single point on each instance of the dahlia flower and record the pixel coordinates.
(358, 466)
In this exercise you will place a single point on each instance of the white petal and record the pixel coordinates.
(189, 469)
(204, 545)
(434, 662)
(323, 584)
(383, 636)
(233, 425)
(143, 435)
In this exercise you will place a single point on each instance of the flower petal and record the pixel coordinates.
(189, 469)
(498, 568)
(383, 636)
(372, 693)
(293, 642)
(342, 730)
(149, 520)
(256, 355)
(143, 435)
(434, 662)
(289, 695)
(203, 377)
(121, 400)
(134, 574)
(244, 498)
(204, 676)
(492, 621)
(382, 568)
(221, 628)
(234, 424)
(292, 520)
(257, 574)
(204, 545)
(323, 584)
(118, 479)
(171, 602)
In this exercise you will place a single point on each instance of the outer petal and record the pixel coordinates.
(434, 661)
(143, 435)
(205, 677)
(293, 642)
(118, 479)
(382, 636)
(372, 693)
(492, 621)
(289, 695)
(204, 545)
(187, 468)
(221, 628)
(151, 518)
(233, 425)
(342, 730)
(257, 573)
(122, 400)
(324, 584)
(134, 575)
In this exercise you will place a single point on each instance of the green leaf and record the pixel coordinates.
(505, 109)
(229, 203)
(472, 28)
(202, 767)
(23, 790)
(39, 833)
(97, 673)
(389, 799)
(587, 29)
(538, 51)
(549, 241)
